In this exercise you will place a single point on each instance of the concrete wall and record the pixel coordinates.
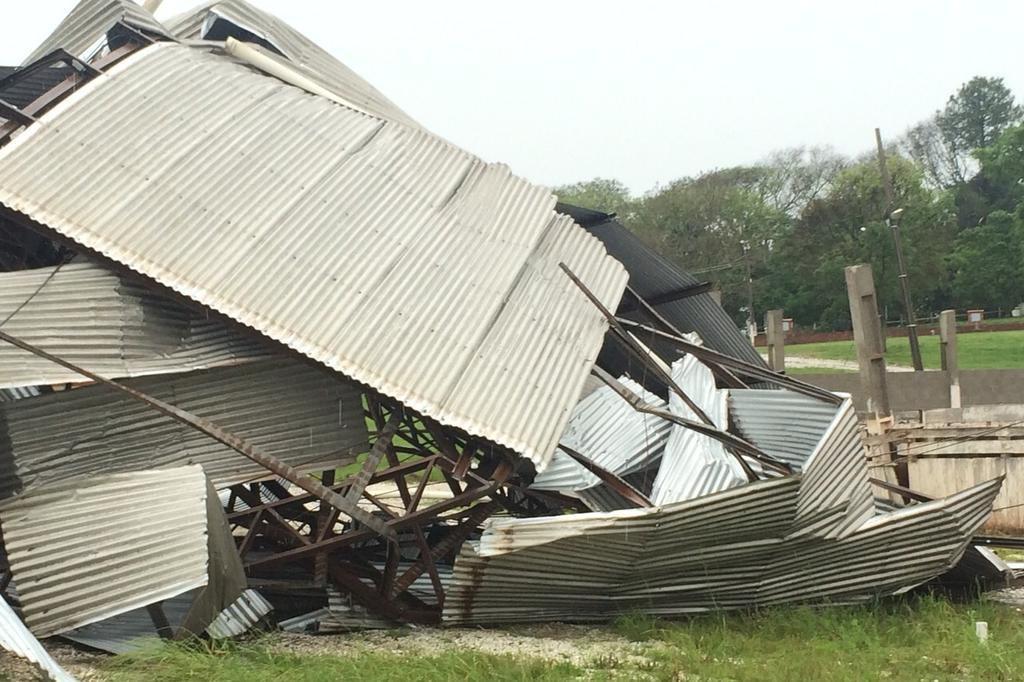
(928, 390)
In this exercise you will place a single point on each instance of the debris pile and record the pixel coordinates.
(275, 354)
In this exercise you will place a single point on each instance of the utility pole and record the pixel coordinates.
(892, 219)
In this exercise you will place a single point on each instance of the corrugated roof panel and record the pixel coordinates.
(694, 464)
(379, 250)
(89, 21)
(786, 425)
(310, 58)
(609, 431)
(89, 316)
(305, 416)
(16, 638)
(83, 552)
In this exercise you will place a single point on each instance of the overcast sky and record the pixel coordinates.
(646, 92)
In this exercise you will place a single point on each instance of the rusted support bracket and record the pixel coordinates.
(373, 459)
(454, 538)
(13, 113)
(160, 622)
(614, 482)
(307, 483)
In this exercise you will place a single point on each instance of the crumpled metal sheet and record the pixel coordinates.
(786, 425)
(789, 539)
(695, 464)
(610, 432)
(89, 21)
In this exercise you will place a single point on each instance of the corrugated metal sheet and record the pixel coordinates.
(786, 425)
(95, 319)
(653, 276)
(836, 479)
(729, 550)
(609, 431)
(134, 629)
(305, 416)
(695, 464)
(16, 638)
(208, 21)
(89, 550)
(89, 21)
(440, 272)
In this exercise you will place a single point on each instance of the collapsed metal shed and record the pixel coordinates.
(289, 275)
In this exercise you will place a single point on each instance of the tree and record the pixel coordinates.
(977, 114)
(988, 263)
(941, 165)
(791, 178)
(973, 118)
(845, 226)
(713, 225)
(600, 194)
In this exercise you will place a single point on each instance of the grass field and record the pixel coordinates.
(926, 639)
(978, 350)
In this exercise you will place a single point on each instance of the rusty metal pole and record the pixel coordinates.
(892, 219)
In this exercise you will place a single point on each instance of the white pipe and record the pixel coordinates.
(280, 69)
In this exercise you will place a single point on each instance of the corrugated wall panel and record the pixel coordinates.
(92, 549)
(305, 416)
(695, 464)
(87, 315)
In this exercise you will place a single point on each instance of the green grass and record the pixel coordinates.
(913, 639)
(928, 639)
(256, 663)
(977, 350)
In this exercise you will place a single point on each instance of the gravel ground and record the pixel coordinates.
(576, 644)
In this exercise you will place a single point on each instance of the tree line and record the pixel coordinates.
(791, 222)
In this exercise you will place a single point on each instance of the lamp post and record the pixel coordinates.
(892, 219)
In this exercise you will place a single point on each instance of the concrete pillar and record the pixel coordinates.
(867, 335)
(947, 347)
(775, 337)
